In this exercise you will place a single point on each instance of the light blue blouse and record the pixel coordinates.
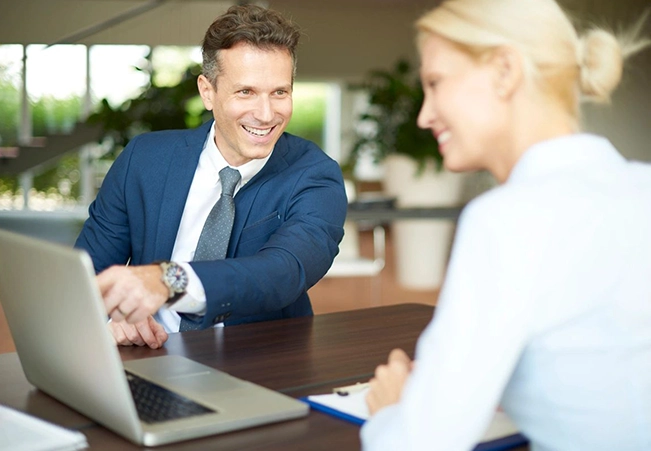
(546, 310)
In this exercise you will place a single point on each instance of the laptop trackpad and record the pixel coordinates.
(183, 375)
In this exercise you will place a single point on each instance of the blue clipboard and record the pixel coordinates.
(500, 444)
(334, 412)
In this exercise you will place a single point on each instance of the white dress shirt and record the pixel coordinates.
(204, 193)
(546, 308)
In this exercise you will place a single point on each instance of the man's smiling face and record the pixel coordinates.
(251, 102)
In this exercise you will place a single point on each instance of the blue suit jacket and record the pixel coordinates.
(288, 222)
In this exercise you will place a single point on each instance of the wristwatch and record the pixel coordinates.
(175, 279)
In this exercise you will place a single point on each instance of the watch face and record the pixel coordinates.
(177, 277)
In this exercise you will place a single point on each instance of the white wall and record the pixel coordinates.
(627, 120)
(346, 42)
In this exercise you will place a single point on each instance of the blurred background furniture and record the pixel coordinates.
(350, 262)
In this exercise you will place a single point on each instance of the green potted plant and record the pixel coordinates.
(395, 97)
(413, 172)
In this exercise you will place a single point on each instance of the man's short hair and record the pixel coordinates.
(259, 27)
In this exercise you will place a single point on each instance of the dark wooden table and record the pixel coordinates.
(297, 357)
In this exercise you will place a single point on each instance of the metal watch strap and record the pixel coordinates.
(174, 292)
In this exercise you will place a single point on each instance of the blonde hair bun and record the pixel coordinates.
(601, 60)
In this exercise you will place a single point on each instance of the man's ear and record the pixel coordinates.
(509, 71)
(206, 91)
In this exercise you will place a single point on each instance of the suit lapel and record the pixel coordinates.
(182, 164)
(247, 194)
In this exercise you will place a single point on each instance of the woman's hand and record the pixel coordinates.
(386, 387)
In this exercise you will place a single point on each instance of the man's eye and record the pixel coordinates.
(245, 92)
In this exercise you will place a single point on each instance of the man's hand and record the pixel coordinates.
(132, 293)
(147, 332)
(386, 387)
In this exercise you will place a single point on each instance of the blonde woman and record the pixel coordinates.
(546, 307)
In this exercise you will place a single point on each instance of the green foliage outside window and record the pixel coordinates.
(157, 108)
(308, 119)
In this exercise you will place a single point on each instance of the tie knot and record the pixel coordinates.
(229, 178)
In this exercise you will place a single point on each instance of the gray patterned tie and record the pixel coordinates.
(216, 233)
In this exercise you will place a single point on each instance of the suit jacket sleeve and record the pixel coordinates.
(106, 235)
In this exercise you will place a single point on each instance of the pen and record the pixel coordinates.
(350, 389)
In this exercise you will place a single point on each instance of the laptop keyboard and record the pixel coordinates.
(156, 404)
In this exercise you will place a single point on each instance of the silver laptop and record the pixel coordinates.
(58, 322)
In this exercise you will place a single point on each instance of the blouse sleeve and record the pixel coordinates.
(466, 355)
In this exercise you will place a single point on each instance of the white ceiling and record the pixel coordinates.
(342, 38)
(182, 21)
(147, 21)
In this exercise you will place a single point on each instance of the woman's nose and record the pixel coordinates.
(427, 114)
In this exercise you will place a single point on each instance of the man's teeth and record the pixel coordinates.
(257, 131)
(443, 137)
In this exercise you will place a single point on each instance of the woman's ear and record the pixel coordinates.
(508, 69)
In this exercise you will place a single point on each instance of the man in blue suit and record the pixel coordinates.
(290, 203)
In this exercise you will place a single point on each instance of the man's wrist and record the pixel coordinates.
(175, 279)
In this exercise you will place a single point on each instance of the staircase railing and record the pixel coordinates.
(46, 150)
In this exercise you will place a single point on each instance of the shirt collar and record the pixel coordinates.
(217, 161)
(570, 152)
